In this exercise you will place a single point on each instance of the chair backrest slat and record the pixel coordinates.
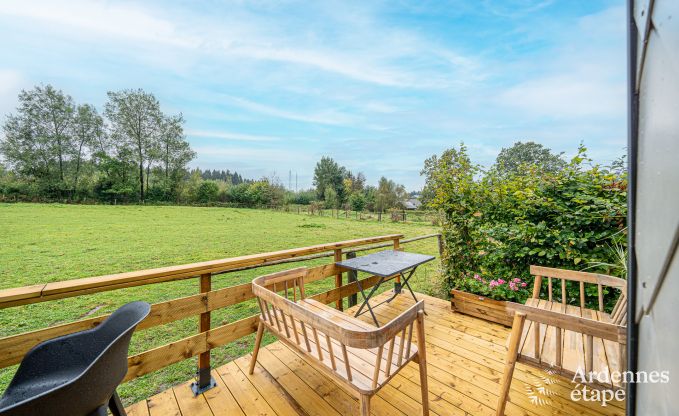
(331, 352)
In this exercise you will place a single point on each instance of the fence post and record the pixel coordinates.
(352, 276)
(397, 283)
(440, 238)
(205, 381)
(338, 280)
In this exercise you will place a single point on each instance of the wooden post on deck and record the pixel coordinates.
(352, 276)
(205, 381)
(397, 246)
(338, 280)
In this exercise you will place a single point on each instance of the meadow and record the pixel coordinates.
(42, 243)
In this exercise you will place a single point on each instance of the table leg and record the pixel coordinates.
(367, 298)
(406, 284)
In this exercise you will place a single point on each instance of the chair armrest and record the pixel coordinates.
(379, 336)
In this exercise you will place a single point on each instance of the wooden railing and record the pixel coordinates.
(13, 348)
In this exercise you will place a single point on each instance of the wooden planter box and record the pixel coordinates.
(498, 311)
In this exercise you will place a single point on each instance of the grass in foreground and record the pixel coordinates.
(48, 243)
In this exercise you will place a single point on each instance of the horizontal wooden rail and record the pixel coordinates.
(332, 253)
(13, 348)
(77, 287)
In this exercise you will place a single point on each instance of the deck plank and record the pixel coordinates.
(268, 387)
(309, 399)
(190, 404)
(164, 404)
(249, 399)
(138, 409)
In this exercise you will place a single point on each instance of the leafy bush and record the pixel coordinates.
(497, 223)
(207, 191)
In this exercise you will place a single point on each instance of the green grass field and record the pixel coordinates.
(48, 243)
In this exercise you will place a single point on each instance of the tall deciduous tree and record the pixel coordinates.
(88, 132)
(136, 120)
(38, 141)
(389, 194)
(175, 151)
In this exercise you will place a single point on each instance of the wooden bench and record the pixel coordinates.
(564, 338)
(360, 357)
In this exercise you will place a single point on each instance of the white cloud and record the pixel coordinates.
(242, 35)
(582, 78)
(97, 17)
(231, 136)
(11, 83)
(330, 117)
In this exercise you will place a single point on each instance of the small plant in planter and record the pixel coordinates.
(510, 289)
(489, 299)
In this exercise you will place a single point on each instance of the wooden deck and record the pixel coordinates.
(465, 362)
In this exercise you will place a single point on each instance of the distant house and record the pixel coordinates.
(412, 203)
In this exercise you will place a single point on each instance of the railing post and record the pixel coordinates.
(440, 239)
(338, 280)
(397, 283)
(205, 381)
(352, 276)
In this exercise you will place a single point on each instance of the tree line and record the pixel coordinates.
(337, 187)
(55, 149)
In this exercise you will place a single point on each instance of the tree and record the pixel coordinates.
(88, 129)
(530, 153)
(389, 194)
(331, 198)
(38, 141)
(353, 183)
(174, 151)
(329, 175)
(136, 121)
(357, 202)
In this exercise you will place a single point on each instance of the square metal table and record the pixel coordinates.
(386, 265)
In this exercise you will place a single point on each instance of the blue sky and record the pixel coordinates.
(267, 87)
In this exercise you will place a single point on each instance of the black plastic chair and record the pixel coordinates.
(76, 374)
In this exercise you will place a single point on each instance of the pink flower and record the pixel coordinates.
(501, 281)
(517, 280)
(493, 283)
(477, 277)
(523, 284)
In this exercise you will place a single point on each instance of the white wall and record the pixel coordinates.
(657, 209)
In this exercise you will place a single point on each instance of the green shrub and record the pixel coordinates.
(498, 223)
(207, 192)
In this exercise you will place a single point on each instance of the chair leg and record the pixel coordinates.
(116, 406)
(365, 405)
(514, 341)
(422, 361)
(258, 341)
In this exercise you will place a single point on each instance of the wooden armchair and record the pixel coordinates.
(567, 338)
(359, 356)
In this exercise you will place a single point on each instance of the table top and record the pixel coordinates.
(385, 263)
